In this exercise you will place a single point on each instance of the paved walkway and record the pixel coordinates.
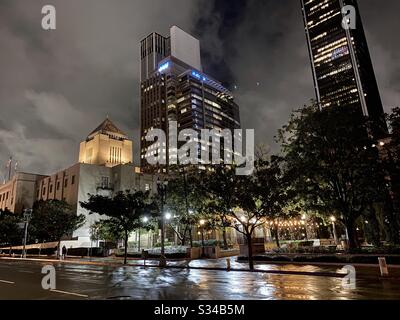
(320, 269)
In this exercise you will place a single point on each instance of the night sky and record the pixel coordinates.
(57, 86)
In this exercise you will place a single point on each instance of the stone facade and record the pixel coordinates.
(75, 184)
(20, 192)
(106, 146)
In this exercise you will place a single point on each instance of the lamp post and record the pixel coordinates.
(27, 219)
(333, 220)
(162, 192)
(202, 223)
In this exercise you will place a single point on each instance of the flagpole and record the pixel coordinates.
(9, 168)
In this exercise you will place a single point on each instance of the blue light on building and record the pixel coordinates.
(196, 75)
(163, 67)
(199, 76)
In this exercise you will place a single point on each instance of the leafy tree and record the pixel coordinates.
(394, 123)
(333, 165)
(259, 198)
(10, 232)
(125, 211)
(218, 188)
(105, 230)
(184, 202)
(273, 193)
(390, 151)
(54, 219)
(244, 202)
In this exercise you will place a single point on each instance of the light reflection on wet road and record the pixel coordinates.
(106, 282)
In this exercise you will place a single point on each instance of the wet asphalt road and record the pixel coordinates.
(22, 280)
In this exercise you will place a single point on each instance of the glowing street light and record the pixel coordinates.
(202, 222)
(168, 216)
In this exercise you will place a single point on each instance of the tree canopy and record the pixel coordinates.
(10, 232)
(124, 211)
(52, 220)
(333, 162)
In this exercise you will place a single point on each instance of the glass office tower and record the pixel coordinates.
(341, 64)
(176, 89)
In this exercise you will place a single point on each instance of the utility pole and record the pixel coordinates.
(9, 168)
(187, 205)
(162, 192)
(27, 219)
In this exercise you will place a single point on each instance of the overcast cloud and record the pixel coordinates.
(57, 86)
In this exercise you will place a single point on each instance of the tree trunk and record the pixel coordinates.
(393, 226)
(191, 237)
(250, 251)
(126, 247)
(183, 238)
(277, 237)
(224, 238)
(58, 249)
(353, 242)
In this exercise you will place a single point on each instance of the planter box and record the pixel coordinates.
(212, 252)
(228, 253)
(193, 253)
(258, 248)
(209, 252)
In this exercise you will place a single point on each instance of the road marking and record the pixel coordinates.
(83, 271)
(70, 293)
(8, 282)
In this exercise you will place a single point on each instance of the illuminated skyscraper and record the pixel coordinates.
(174, 88)
(341, 64)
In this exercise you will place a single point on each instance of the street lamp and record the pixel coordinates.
(162, 192)
(333, 220)
(144, 220)
(202, 223)
(27, 219)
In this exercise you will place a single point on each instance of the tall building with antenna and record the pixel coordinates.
(175, 88)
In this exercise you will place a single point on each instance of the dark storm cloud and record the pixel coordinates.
(55, 87)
